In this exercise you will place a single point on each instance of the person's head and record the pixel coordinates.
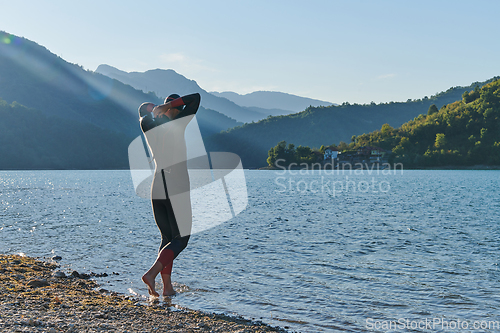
(146, 109)
(171, 98)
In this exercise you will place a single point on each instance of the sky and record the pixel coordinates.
(336, 51)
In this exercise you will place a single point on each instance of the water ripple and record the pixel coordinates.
(428, 248)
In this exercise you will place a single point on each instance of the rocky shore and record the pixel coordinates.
(36, 297)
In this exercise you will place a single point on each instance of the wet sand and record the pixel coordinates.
(37, 297)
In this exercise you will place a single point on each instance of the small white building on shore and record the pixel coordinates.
(331, 153)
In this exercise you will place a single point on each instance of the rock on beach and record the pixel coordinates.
(37, 298)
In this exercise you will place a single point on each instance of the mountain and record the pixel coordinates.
(82, 119)
(53, 96)
(38, 79)
(284, 102)
(165, 82)
(318, 126)
(34, 140)
(213, 122)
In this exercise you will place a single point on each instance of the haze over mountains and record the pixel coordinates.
(56, 115)
(272, 100)
(243, 108)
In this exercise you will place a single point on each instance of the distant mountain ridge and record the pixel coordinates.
(245, 108)
(272, 100)
(161, 82)
(164, 82)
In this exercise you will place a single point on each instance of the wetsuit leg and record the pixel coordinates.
(162, 219)
(171, 251)
(172, 244)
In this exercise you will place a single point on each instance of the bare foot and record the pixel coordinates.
(150, 282)
(169, 291)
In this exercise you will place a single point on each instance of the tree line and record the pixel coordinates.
(465, 132)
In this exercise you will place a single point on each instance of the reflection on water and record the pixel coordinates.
(310, 259)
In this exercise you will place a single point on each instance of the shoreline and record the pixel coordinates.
(39, 298)
(447, 167)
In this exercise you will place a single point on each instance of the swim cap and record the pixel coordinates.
(171, 98)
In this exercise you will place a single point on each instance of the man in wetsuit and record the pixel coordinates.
(164, 126)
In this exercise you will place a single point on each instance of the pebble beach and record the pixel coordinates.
(35, 296)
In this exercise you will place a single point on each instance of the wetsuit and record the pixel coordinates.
(170, 189)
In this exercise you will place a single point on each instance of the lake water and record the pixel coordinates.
(316, 252)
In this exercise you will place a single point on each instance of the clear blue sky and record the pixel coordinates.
(356, 51)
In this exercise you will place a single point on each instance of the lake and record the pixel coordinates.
(360, 251)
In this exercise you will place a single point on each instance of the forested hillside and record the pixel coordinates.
(466, 132)
(32, 140)
(324, 125)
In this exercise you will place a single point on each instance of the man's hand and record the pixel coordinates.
(162, 110)
(158, 111)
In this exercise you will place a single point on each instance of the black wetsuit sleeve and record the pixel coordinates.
(191, 102)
